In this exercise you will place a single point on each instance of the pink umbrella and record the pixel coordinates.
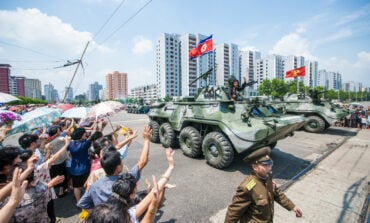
(65, 107)
(100, 111)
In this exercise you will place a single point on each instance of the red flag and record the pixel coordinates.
(298, 72)
(204, 46)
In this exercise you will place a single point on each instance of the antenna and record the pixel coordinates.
(79, 62)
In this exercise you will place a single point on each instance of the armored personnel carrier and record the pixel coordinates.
(137, 108)
(320, 114)
(210, 124)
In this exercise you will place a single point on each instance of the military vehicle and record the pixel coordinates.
(212, 125)
(137, 108)
(320, 114)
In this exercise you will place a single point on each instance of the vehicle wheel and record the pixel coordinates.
(154, 135)
(273, 145)
(167, 135)
(217, 150)
(315, 124)
(190, 142)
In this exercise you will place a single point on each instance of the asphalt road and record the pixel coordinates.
(202, 190)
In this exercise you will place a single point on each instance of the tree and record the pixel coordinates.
(265, 88)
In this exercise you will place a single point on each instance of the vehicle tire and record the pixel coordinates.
(154, 135)
(315, 124)
(273, 145)
(167, 135)
(217, 150)
(191, 142)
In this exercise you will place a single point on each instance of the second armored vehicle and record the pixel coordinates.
(320, 114)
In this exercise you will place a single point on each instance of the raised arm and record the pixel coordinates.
(5, 191)
(144, 157)
(18, 188)
(144, 204)
(126, 141)
(53, 158)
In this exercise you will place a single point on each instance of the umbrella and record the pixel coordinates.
(76, 112)
(65, 107)
(4, 97)
(39, 117)
(99, 111)
(115, 105)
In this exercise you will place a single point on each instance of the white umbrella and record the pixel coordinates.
(115, 105)
(76, 112)
(4, 97)
(99, 111)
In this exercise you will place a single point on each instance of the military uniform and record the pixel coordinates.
(254, 198)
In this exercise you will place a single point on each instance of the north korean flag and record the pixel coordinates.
(204, 46)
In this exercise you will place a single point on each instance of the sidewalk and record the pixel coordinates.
(335, 190)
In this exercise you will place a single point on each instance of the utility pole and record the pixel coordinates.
(78, 65)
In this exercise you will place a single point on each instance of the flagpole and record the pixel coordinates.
(297, 85)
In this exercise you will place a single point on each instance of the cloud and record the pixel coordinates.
(357, 71)
(341, 34)
(143, 76)
(48, 34)
(142, 45)
(292, 44)
(358, 14)
(35, 36)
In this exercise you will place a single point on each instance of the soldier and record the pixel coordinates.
(255, 196)
(233, 90)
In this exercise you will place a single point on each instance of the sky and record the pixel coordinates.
(38, 37)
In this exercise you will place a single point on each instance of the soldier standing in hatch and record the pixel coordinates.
(233, 90)
(255, 196)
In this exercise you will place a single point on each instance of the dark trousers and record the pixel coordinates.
(51, 211)
(59, 169)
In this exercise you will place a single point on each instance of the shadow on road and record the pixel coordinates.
(285, 167)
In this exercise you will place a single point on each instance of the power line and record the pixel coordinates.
(122, 25)
(109, 18)
(128, 20)
(31, 50)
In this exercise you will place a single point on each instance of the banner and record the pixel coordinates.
(298, 72)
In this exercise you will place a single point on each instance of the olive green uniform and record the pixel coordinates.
(254, 201)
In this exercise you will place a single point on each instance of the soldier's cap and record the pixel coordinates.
(260, 156)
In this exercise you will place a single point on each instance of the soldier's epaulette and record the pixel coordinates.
(250, 185)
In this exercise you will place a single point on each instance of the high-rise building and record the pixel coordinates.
(269, 68)
(116, 83)
(33, 88)
(191, 69)
(93, 92)
(17, 85)
(331, 80)
(248, 60)
(51, 94)
(227, 62)
(168, 65)
(148, 93)
(4, 78)
(311, 73)
(69, 92)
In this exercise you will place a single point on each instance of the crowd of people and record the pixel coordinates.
(358, 117)
(64, 157)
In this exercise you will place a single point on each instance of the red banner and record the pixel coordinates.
(298, 72)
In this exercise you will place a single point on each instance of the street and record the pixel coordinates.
(201, 190)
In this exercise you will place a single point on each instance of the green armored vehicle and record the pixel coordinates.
(137, 108)
(210, 124)
(320, 114)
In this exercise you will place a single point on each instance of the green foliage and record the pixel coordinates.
(25, 100)
(167, 98)
(278, 88)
